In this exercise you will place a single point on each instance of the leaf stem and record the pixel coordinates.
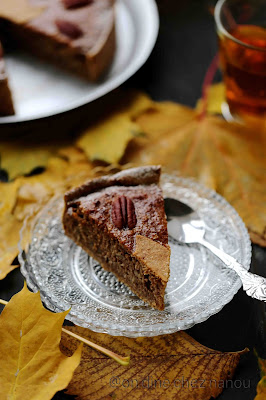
(121, 360)
(209, 76)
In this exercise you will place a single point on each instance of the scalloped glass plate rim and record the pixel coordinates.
(166, 327)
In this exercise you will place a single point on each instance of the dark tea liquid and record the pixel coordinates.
(244, 70)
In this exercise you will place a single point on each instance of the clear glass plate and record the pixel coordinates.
(199, 284)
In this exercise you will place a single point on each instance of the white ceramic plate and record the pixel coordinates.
(41, 90)
(199, 284)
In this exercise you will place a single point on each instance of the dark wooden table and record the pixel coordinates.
(175, 71)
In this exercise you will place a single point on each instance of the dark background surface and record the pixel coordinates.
(175, 71)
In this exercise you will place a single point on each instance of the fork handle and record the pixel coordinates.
(254, 285)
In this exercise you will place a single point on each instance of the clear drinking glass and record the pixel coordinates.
(241, 29)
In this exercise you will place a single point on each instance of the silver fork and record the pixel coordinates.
(186, 226)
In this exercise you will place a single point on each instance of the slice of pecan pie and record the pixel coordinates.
(120, 221)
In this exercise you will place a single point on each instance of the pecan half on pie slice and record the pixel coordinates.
(120, 221)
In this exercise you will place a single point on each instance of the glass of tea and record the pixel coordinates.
(241, 28)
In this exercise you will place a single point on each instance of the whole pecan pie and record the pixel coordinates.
(120, 221)
(6, 102)
(76, 35)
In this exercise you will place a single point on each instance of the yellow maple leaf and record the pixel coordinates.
(22, 199)
(227, 157)
(32, 366)
(168, 367)
(261, 388)
(8, 191)
(9, 237)
(107, 140)
(21, 157)
(215, 99)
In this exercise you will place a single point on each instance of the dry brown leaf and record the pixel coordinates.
(178, 363)
(227, 157)
(31, 363)
(108, 138)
